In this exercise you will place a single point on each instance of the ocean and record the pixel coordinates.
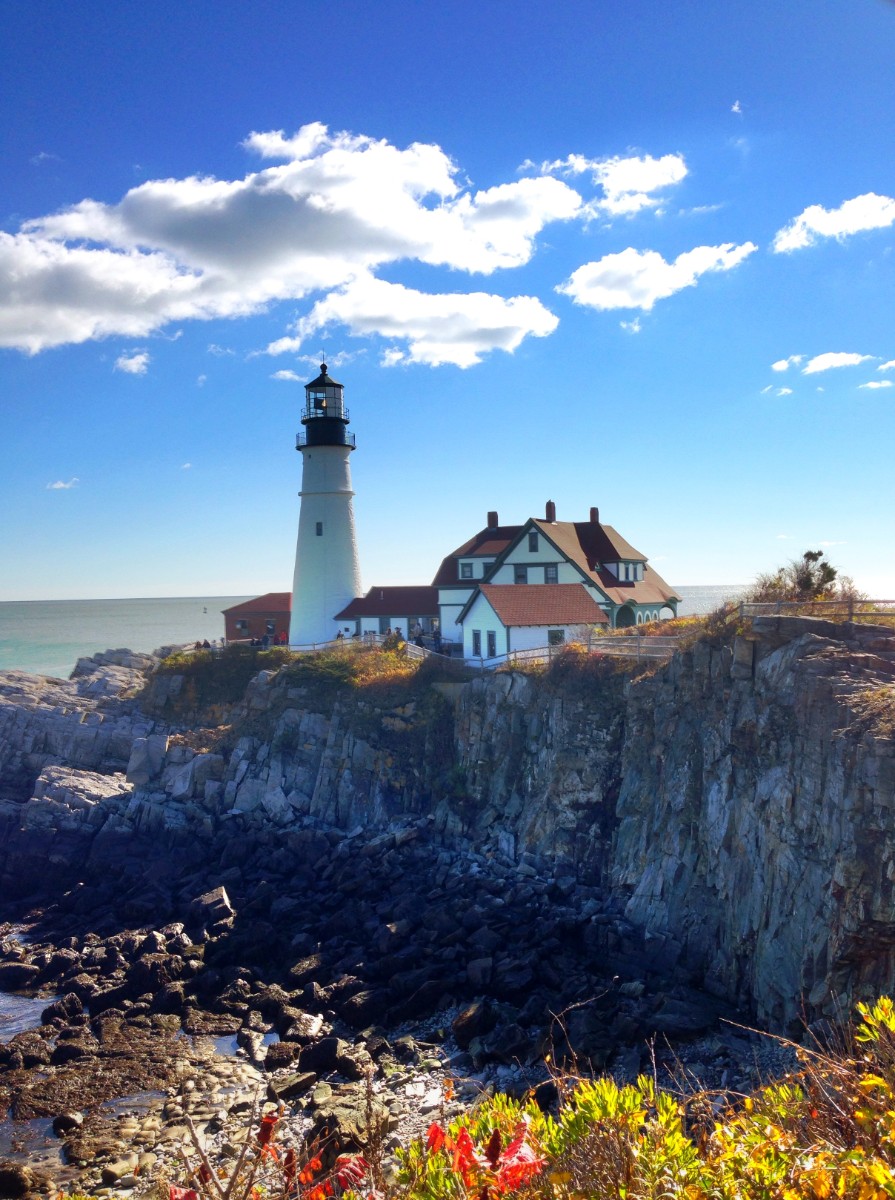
(47, 637)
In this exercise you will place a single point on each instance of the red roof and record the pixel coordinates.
(485, 543)
(543, 604)
(589, 544)
(269, 603)
(393, 602)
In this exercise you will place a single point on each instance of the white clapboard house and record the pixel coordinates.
(519, 587)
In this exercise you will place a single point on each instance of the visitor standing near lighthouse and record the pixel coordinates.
(327, 573)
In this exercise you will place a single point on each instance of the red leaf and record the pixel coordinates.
(179, 1193)
(266, 1131)
(492, 1149)
(435, 1138)
(351, 1171)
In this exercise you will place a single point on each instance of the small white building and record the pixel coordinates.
(403, 610)
(504, 617)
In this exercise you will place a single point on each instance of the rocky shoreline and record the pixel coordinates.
(415, 882)
(357, 969)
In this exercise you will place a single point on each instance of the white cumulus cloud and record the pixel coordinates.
(833, 359)
(638, 278)
(628, 182)
(134, 363)
(877, 383)
(783, 364)
(338, 206)
(286, 376)
(887, 366)
(869, 211)
(455, 328)
(62, 486)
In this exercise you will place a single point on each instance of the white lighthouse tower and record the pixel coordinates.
(327, 574)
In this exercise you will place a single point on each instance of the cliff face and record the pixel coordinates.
(757, 816)
(735, 800)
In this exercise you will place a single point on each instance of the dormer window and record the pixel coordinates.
(466, 570)
(533, 543)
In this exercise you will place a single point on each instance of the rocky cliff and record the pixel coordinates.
(737, 801)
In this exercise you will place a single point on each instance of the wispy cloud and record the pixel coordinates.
(887, 366)
(869, 211)
(638, 278)
(629, 183)
(877, 383)
(454, 327)
(220, 351)
(42, 157)
(287, 376)
(186, 466)
(61, 486)
(783, 392)
(136, 362)
(833, 360)
(736, 107)
(201, 380)
(783, 364)
(631, 326)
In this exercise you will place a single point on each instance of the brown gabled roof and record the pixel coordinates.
(651, 589)
(588, 544)
(270, 602)
(393, 602)
(543, 604)
(483, 544)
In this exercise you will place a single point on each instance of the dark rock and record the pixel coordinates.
(322, 1056)
(281, 1054)
(292, 1086)
(16, 976)
(212, 908)
(475, 1020)
(15, 1180)
(67, 1122)
(64, 1009)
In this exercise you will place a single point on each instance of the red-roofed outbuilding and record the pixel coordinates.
(266, 615)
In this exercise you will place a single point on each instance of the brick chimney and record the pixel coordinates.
(595, 516)
(492, 520)
(550, 513)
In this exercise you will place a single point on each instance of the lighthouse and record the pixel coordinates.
(327, 574)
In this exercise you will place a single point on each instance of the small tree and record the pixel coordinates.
(804, 579)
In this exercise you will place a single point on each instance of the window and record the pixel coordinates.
(477, 643)
(320, 529)
(385, 624)
(533, 543)
(520, 573)
(270, 626)
(556, 637)
(242, 626)
(551, 573)
(466, 570)
(492, 644)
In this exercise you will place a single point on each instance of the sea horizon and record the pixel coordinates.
(47, 637)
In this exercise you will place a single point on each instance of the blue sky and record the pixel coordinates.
(621, 253)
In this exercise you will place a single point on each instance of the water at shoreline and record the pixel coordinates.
(47, 637)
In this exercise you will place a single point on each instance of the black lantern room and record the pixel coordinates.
(325, 416)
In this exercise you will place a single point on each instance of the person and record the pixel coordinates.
(339, 636)
(437, 641)
(206, 645)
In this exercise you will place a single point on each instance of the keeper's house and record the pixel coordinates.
(542, 583)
